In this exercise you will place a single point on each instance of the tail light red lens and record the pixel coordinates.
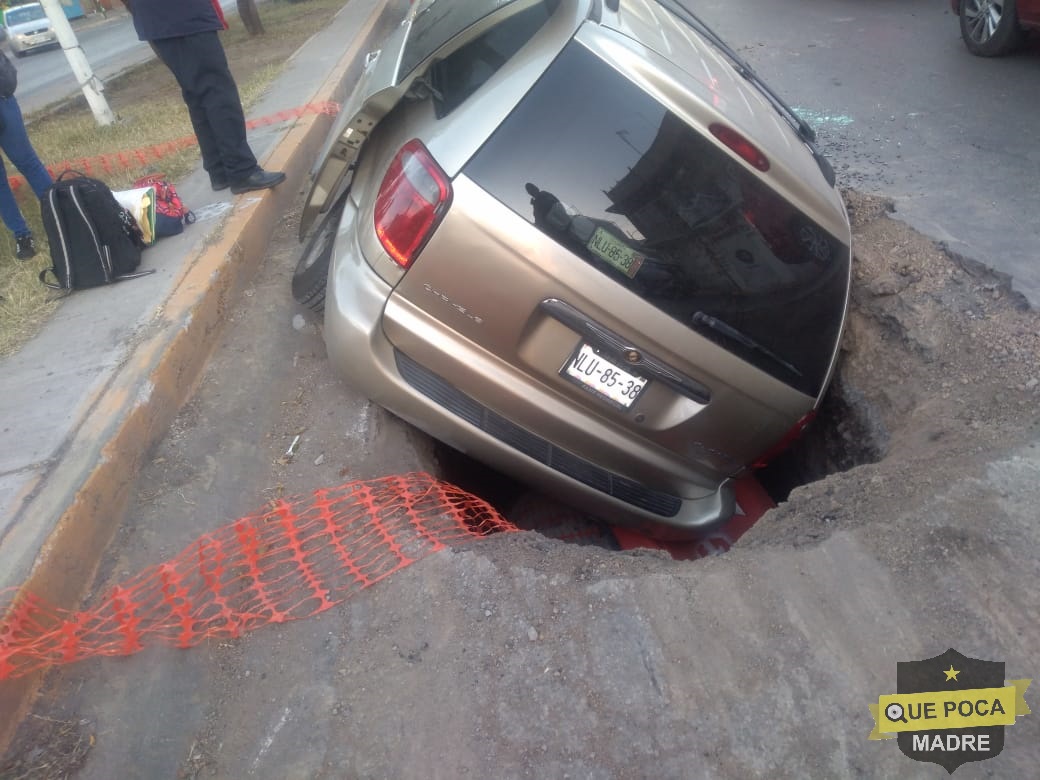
(742, 146)
(412, 200)
(785, 443)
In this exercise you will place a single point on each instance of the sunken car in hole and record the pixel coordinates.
(582, 242)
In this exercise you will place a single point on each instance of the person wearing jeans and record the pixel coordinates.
(15, 143)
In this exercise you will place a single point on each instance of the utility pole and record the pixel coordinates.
(90, 84)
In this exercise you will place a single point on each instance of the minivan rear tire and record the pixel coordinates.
(312, 269)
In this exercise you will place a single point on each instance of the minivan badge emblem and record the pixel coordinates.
(457, 307)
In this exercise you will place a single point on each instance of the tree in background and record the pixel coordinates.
(250, 17)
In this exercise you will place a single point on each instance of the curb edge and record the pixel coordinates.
(158, 377)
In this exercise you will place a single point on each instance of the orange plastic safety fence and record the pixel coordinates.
(297, 559)
(133, 159)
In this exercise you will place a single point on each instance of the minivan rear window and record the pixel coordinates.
(606, 170)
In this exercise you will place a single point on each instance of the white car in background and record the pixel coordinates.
(28, 28)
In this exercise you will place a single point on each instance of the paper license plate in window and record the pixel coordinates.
(614, 251)
(595, 373)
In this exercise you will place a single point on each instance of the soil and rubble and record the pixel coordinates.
(520, 656)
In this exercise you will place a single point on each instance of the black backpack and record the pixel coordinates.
(93, 239)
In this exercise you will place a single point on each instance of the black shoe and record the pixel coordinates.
(26, 247)
(258, 180)
(218, 184)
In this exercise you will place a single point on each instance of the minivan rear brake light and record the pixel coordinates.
(412, 200)
(742, 146)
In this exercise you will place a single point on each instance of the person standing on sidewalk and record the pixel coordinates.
(15, 143)
(184, 35)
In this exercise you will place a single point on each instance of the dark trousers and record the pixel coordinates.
(200, 66)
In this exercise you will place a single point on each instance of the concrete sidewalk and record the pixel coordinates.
(84, 401)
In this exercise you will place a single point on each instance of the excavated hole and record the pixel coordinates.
(524, 507)
(846, 433)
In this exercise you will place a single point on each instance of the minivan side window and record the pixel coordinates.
(465, 70)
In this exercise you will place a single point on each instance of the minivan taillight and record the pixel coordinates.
(742, 146)
(412, 199)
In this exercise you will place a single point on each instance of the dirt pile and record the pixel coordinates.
(520, 656)
(939, 374)
(936, 337)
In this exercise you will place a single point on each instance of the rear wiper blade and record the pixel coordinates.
(717, 325)
(800, 126)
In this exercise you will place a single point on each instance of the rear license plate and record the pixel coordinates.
(602, 377)
(614, 251)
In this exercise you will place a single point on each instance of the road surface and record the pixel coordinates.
(44, 77)
(905, 111)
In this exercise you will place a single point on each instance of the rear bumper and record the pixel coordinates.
(34, 42)
(361, 353)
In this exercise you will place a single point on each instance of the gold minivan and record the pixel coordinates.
(581, 241)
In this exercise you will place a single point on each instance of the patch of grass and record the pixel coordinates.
(251, 90)
(150, 109)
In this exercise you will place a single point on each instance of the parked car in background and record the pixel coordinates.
(28, 28)
(991, 28)
(580, 241)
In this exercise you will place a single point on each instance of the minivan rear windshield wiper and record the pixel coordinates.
(727, 330)
(800, 126)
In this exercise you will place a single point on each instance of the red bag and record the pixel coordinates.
(170, 214)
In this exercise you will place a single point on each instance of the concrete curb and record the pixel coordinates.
(89, 488)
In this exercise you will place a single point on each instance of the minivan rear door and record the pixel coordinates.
(615, 254)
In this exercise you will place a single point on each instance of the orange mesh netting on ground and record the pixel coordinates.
(297, 559)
